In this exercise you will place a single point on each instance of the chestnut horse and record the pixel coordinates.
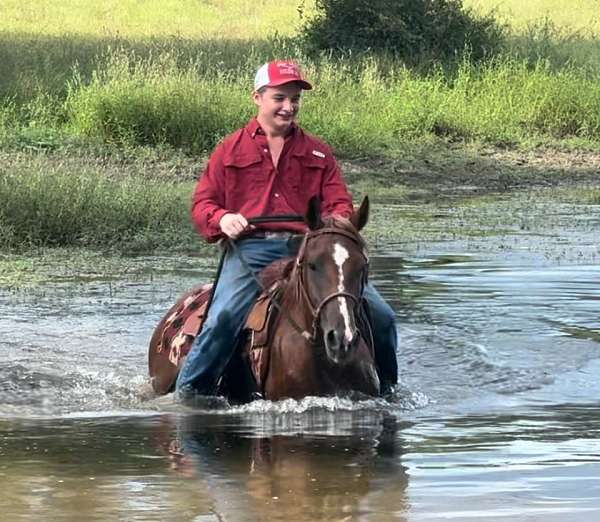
(319, 340)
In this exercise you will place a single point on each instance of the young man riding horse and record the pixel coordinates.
(269, 167)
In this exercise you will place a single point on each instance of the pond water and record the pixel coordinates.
(497, 416)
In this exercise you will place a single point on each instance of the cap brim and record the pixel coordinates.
(303, 84)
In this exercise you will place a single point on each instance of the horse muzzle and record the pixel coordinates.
(339, 348)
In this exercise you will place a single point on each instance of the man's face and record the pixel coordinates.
(278, 106)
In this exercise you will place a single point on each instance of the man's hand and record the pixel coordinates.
(233, 225)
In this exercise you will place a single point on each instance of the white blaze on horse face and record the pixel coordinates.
(340, 255)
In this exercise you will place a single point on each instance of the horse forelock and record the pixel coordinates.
(346, 225)
(330, 223)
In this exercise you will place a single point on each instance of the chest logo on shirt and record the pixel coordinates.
(318, 154)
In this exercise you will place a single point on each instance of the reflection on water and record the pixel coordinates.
(531, 464)
(302, 477)
(184, 466)
(497, 416)
(95, 469)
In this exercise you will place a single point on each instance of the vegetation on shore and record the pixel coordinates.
(173, 78)
(54, 205)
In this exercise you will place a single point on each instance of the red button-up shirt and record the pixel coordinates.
(240, 177)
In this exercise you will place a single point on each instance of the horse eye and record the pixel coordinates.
(312, 266)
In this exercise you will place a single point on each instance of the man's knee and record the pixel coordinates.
(382, 313)
(388, 316)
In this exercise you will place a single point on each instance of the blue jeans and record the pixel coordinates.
(235, 292)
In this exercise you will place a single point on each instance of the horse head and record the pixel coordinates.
(332, 267)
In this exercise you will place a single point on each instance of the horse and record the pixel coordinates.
(307, 335)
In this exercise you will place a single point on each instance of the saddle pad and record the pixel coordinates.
(183, 325)
(177, 331)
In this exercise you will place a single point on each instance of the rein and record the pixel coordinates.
(281, 218)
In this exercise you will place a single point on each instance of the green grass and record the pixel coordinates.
(150, 18)
(134, 102)
(45, 204)
(131, 85)
(581, 15)
(180, 73)
(243, 19)
(359, 110)
(554, 30)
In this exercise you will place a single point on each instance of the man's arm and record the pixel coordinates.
(208, 201)
(336, 199)
(208, 213)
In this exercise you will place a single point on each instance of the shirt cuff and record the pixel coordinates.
(216, 217)
(213, 223)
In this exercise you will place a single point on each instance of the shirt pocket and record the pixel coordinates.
(244, 173)
(308, 174)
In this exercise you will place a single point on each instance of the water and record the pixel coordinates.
(497, 416)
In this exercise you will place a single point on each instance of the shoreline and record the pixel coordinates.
(436, 169)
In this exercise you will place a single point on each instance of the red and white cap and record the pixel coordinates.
(279, 72)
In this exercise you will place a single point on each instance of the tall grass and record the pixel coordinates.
(58, 206)
(32, 63)
(357, 108)
(139, 102)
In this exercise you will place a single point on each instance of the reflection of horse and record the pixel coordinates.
(327, 465)
(309, 335)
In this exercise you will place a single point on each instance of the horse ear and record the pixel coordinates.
(360, 217)
(313, 214)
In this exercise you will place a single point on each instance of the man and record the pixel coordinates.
(269, 167)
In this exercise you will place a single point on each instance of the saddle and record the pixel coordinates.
(184, 322)
(258, 328)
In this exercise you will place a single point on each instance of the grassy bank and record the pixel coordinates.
(138, 201)
(107, 111)
(67, 201)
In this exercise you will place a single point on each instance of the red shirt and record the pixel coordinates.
(240, 177)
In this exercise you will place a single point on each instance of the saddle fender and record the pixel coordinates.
(258, 325)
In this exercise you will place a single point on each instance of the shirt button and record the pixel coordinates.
(266, 150)
(276, 195)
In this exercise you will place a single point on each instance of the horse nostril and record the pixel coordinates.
(331, 337)
(355, 338)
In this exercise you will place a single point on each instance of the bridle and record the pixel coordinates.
(301, 283)
(299, 269)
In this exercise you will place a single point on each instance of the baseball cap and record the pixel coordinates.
(279, 72)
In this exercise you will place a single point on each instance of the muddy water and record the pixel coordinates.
(497, 416)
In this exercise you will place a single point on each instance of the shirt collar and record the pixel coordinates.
(255, 129)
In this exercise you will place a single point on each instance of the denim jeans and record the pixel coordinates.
(235, 292)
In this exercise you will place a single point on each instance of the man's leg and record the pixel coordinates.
(235, 292)
(385, 338)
